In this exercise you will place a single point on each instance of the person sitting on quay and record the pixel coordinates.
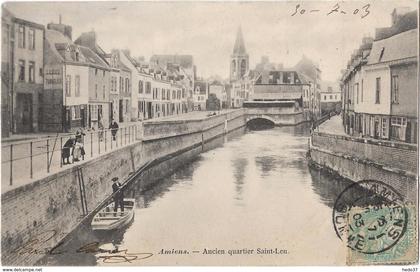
(66, 150)
(114, 129)
(118, 195)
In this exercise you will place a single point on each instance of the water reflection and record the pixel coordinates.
(328, 187)
(239, 167)
(266, 164)
(219, 198)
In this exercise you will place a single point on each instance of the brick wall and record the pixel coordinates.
(356, 170)
(401, 156)
(358, 159)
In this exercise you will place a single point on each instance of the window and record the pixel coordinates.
(127, 85)
(398, 128)
(96, 90)
(21, 37)
(94, 112)
(148, 87)
(68, 85)
(31, 71)
(121, 84)
(331, 97)
(41, 72)
(21, 70)
(103, 92)
(183, 93)
(96, 71)
(77, 85)
(140, 86)
(357, 93)
(394, 90)
(384, 128)
(325, 98)
(163, 94)
(361, 97)
(378, 90)
(75, 110)
(174, 94)
(103, 73)
(168, 94)
(31, 39)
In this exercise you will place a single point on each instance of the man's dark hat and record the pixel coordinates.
(114, 179)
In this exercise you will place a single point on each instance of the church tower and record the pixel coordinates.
(239, 60)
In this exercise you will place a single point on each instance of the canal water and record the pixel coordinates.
(253, 190)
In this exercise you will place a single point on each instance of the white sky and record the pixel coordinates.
(207, 30)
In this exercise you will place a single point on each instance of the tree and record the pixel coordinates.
(213, 103)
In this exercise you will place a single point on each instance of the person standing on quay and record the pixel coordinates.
(66, 150)
(114, 129)
(118, 197)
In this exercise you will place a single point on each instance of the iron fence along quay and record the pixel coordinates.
(29, 160)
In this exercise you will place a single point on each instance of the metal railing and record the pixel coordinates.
(24, 161)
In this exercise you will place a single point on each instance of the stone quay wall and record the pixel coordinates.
(358, 159)
(37, 216)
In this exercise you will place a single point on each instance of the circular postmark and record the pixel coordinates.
(370, 216)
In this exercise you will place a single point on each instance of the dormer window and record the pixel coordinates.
(77, 56)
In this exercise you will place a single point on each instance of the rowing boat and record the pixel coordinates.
(107, 219)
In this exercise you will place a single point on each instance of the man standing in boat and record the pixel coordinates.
(118, 197)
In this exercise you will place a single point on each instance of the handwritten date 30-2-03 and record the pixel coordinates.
(362, 11)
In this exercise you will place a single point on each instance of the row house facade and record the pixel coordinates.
(309, 97)
(311, 73)
(114, 85)
(278, 87)
(218, 89)
(120, 89)
(181, 68)
(168, 98)
(330, 101)
(379, 89)
(22, 73)
(158, 90)
(201, 94)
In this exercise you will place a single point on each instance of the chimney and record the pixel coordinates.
(66, 30)
(398, 13)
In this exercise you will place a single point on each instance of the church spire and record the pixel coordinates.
(239, 48)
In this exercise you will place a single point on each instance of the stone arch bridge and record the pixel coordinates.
(284, 113)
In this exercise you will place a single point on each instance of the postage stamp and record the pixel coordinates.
(375, 224)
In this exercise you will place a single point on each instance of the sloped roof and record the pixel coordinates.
(304, 79)
(185, 61)
(92, 57)
(404, 23)
(400, 46)
(59, 44)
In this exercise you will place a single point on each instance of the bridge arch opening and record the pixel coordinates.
(260, 123)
